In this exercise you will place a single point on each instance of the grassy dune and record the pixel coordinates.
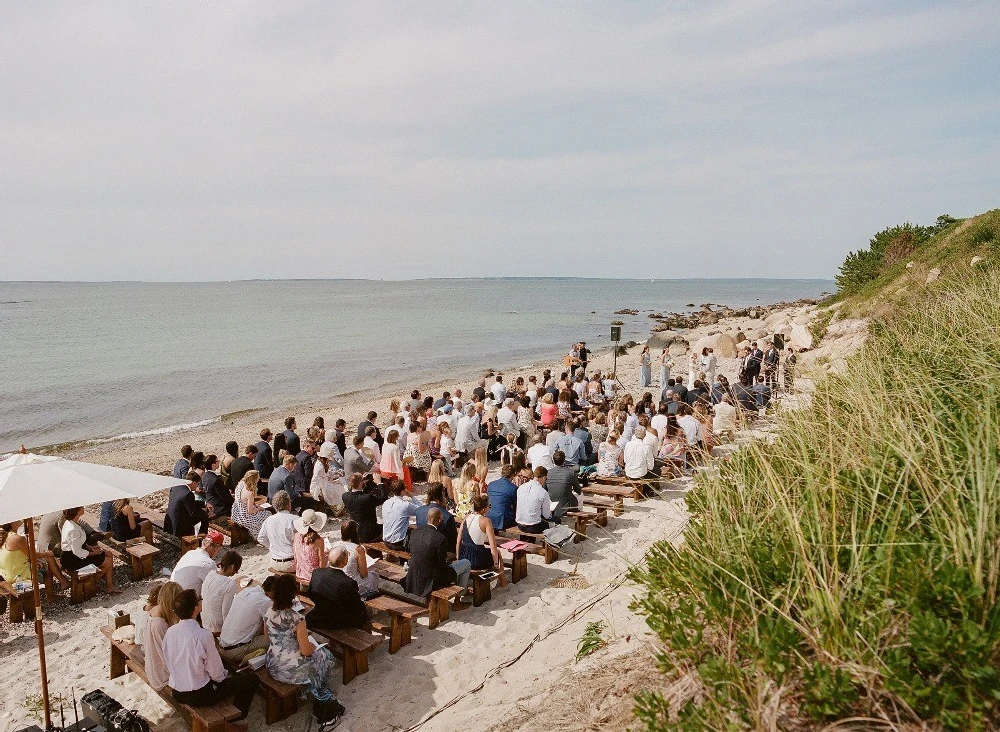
(849, 569)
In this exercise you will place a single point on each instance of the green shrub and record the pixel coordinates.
(853, 561)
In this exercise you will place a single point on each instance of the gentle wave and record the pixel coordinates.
(158, 431)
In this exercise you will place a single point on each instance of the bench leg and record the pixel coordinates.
(16, 609)
(118, 662)
(602, 518)
(396, 634)
(480, 591)
(580, 529)
(551, 553)
(619, 507)
(502, 580)
(277, 707)
(355, 663)
(519, 566)
(440, 610)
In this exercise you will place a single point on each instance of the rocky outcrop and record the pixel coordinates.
(723, 344)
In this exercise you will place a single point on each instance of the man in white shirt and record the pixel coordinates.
(653, 440)
(192, 568)
(659, 422)
(218, 590)
(499, 390)
(638, 456)
(540, 454)
(631, 422)
(372, 444)
(396, 514)
(197, 676)
(467, 433)
(507, 418)
(691, 427)
(277, 532)
(243, 628)
(725, 417)
(533, 505)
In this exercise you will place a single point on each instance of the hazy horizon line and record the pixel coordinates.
(413, 279)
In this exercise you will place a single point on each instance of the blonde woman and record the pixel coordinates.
(466, 487)
(161, 617)
(246, 512)
(437, 474)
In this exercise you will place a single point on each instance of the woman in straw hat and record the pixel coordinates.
(308, 546)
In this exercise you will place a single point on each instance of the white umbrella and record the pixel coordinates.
(32, 485)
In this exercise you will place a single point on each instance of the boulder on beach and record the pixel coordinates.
(723, 344)
(933, 275)
(671, 340)
(800, 337)
(626, 311)
(744, 344)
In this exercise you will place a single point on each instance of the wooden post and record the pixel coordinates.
(39, 631)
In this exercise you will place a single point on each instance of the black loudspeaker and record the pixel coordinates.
(616, 333)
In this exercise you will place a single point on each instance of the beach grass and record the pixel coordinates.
(848, 569)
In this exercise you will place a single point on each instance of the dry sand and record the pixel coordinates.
(507, 665)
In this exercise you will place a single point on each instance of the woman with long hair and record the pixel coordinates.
(226, 467)
(77, 553)
(246, 512)
(666, 363)
(126, 524)
(476, 541)
(15, 564)
(391, 465)
(645, 370)
(437, 474)
(358, 561)
(160, 607)
(465, 488)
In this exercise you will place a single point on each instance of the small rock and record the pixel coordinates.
(910, 265)
(933, 275)
(975, 261)
(626, 311)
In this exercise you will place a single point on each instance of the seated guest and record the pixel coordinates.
(725, 416)
(337, 596)
(77, 553)
(196, 674)
(571, 445)
(435, 499)
(692, 428)
(361, 505)
(126, 524)
(302, 476)
(214, 490)
(15, 563)
(539, 454)
(183, 466)
(358, 566)
(183, 511)
(263, 462)
(476, 542)
(291, 656)
(283, 478)
(246, 512)
(396, 512)
(563, 486)
(161, 617)
(327, 480)
(533, 504)
(428, 568)
(277, 532)
(292, 443)
(241, 466)
(503, 498)
(745, 398)
(762, 393)
(218, 591)
(638, 455)
(610, 460)
(194, 566)
(243, 629)
(308, 547)
(355, 461)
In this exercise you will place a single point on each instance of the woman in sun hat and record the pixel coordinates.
(308, 546)
(327, 481)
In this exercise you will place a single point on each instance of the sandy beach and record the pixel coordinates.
(500, 666)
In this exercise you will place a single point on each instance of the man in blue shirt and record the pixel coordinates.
(435, 499)
(282, 479)
(396, 514)
(571, 445)
(503, 499)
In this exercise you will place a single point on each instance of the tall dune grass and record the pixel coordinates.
(849, 568)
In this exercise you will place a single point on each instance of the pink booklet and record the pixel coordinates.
(515, 545)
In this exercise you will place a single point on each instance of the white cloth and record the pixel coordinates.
(499, 392)
(73, 539)
(532, 504)
(467, 434)
(691, 427)
(638, 458)
(373, 446)
(192, 569)
(191, 657)
(217, 592)
(507, 419)
(327, 484)
(725, 418)
(540, 455)
(659, 423)
(246, 617)
(276, 534)
(653, 441)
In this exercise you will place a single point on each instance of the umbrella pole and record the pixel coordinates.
(33, 558)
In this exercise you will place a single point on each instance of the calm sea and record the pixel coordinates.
(98, 360)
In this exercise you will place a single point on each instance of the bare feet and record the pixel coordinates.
(114, 591)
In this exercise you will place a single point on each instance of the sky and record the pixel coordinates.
(736, 138)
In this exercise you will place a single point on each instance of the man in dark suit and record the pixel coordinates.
(282, 478)
(242, 465)
(292, 444)
(754, 360)
(338, 603)
(370, 422)
(361, 505)
(183, 511)
(435, 499)
(216, 494)
(263, 463)
(305, 462)
(563, 485)
(429, 569)
(182, 466)
(339, 437)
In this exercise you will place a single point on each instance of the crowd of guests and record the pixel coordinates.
(551, 434)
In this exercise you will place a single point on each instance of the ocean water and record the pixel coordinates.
(99, 360)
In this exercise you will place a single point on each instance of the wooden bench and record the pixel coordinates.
(397, 555)
(281, 700)
(579, 519)
(238, 535)
(142, 555)
(156, 518)
(20, 605)
(518, 563)
(539, 547)
(81, 587)
(438, 604)
(481, 587)
(633, 491)
(615, 505)
(351, 646)
(190, 543)
(401, 614)
(127, 657)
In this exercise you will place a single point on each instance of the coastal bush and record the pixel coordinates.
(886, 248)
(850, 567)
